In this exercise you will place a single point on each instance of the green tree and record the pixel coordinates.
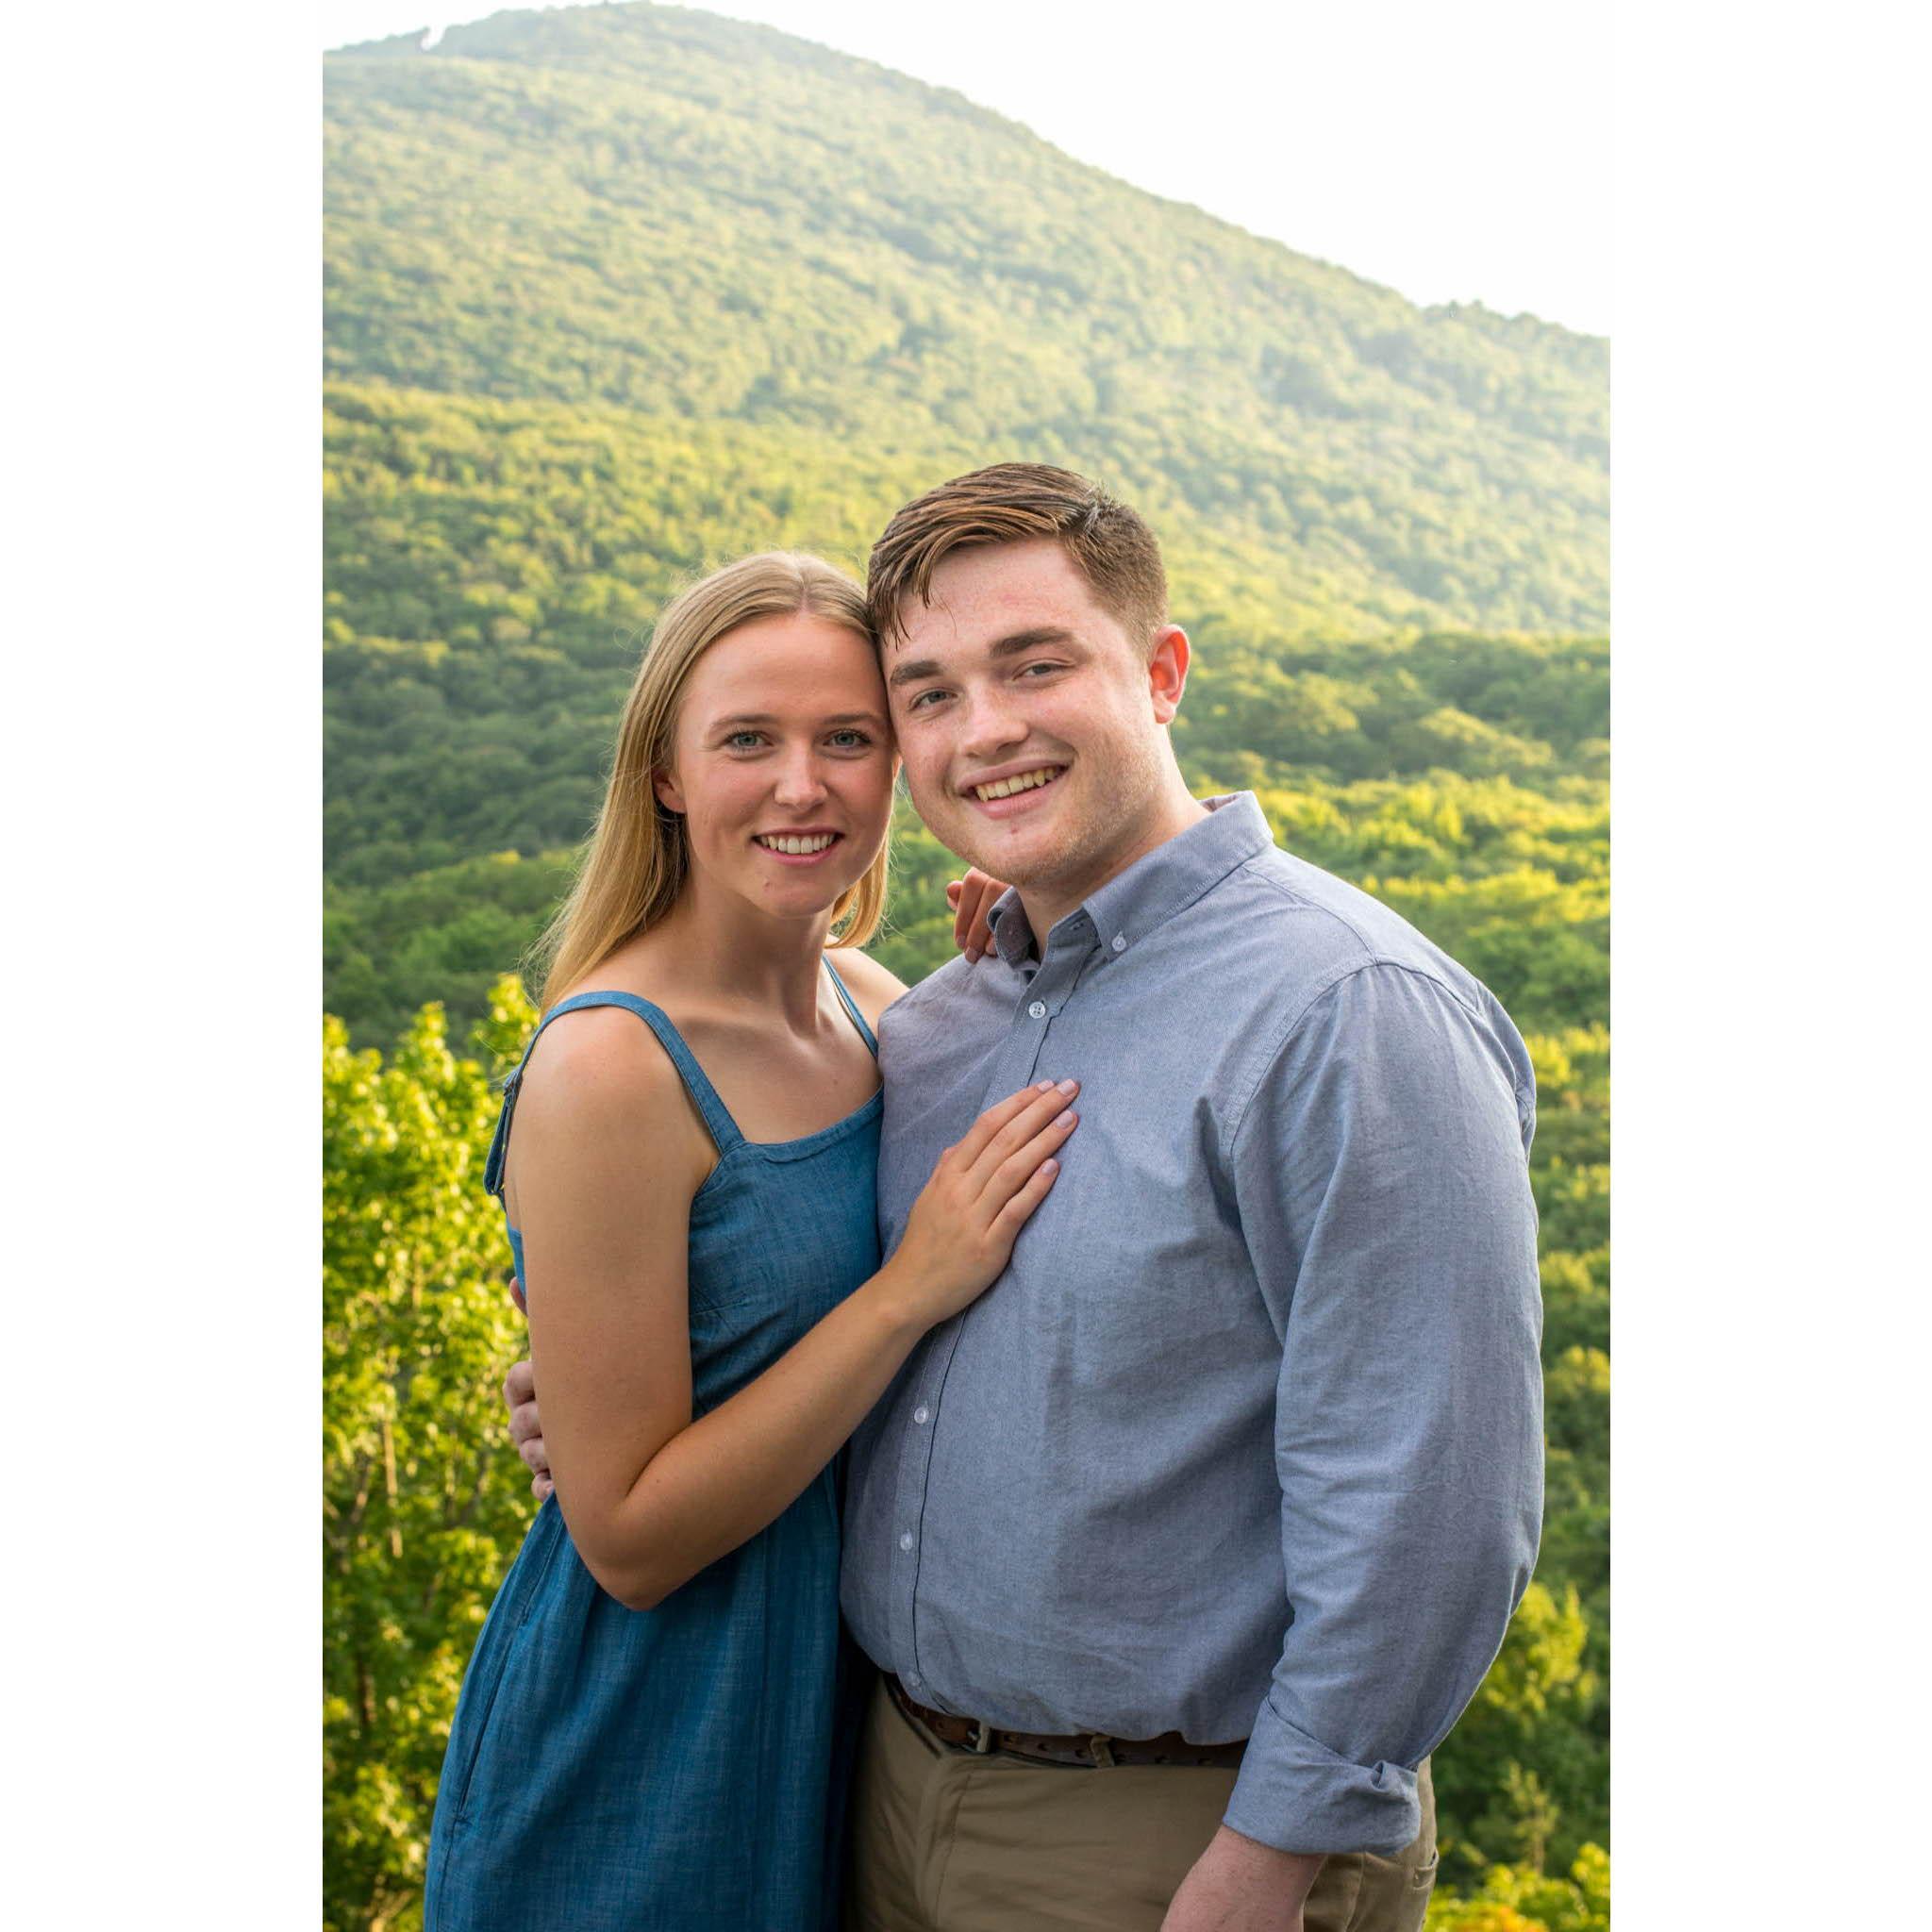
(1523, 1753)
(423, 1506)
(1514, 1900)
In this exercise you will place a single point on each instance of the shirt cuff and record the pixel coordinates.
(1298, 1797)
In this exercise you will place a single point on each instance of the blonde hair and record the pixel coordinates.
(638, 856)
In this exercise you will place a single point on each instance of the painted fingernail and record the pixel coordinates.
(1069, 1086)
(1049, 1167)
(1066, 1120)
(1044, 1087)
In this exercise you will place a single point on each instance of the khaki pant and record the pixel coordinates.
(946, 1841)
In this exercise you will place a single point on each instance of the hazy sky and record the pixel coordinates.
(1457, 152)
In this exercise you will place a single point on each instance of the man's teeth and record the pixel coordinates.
(1005, 787)
(816, 843)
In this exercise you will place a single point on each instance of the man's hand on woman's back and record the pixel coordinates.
(971, 899)
(525, 1427)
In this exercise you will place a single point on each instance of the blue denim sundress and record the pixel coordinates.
(680, 1769)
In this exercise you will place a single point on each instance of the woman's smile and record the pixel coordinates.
(807, 846)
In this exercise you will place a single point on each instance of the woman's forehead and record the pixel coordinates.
(793, 663)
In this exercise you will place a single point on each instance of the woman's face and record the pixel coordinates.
(783, 762)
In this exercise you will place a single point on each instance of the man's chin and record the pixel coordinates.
(1018, 850)
(1024, 861)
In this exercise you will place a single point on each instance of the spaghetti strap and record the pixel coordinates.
(718, 1122)
(851, 1005)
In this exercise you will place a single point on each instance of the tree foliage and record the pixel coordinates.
(1513, 1899)
(423, 1505)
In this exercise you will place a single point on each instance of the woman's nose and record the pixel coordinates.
(799, 783)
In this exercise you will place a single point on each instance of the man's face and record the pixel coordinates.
(1015, 676)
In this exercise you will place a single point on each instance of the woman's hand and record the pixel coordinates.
(971, 899)
(982, 1192)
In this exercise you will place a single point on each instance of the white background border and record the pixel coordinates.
(163, 787)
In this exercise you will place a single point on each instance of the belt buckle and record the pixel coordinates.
(981, 1742)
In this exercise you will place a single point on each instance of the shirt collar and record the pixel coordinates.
(1156, 886)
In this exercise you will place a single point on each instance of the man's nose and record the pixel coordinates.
(991, 725)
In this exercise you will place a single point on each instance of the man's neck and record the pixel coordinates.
(1048, 901)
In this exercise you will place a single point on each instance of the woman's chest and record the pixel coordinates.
(778, 1088)
(776, 1247)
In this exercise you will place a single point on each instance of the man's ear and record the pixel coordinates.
(670, 794)
(1167, 671)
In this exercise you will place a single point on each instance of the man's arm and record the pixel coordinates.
(1239, 1886)
(1383, 1188)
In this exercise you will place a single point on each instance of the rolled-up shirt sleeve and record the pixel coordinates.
(1381, 1177)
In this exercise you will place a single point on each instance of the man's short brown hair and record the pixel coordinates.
(1016, 503)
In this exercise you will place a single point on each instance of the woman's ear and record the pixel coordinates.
(670, 794)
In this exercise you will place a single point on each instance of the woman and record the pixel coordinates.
(646, 1735)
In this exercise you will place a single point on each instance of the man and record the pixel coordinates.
(1182, 1548)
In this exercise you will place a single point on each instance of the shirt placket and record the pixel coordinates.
(1017, 1063)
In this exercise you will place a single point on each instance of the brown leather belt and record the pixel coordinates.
(1089, 1749)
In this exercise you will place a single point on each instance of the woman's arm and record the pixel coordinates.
(604, 1177)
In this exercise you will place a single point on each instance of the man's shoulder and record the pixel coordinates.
(941, 986)
(1315, 926)
(932, 1009)
(1319, 933)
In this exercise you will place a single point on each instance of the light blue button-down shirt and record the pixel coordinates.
(1247, 1441)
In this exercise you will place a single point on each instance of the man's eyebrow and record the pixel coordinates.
(1025, 639)
(1002, 647)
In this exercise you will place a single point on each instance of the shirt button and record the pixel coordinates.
(1119, 942)
(905, 1540)
(1038, 1009)
(919, 1414)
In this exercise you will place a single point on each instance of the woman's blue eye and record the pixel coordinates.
(741, 739)
(851, 741)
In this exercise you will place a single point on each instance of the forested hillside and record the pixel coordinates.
(618, 293)
(695, 219)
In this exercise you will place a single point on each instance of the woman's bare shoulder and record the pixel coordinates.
(600, 1065)
(875, 987)
(599, 1079)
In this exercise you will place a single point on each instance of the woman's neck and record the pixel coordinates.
(731, 954)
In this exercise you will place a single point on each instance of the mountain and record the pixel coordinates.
(694, 218)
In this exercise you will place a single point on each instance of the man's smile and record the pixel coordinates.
(1012, 791)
